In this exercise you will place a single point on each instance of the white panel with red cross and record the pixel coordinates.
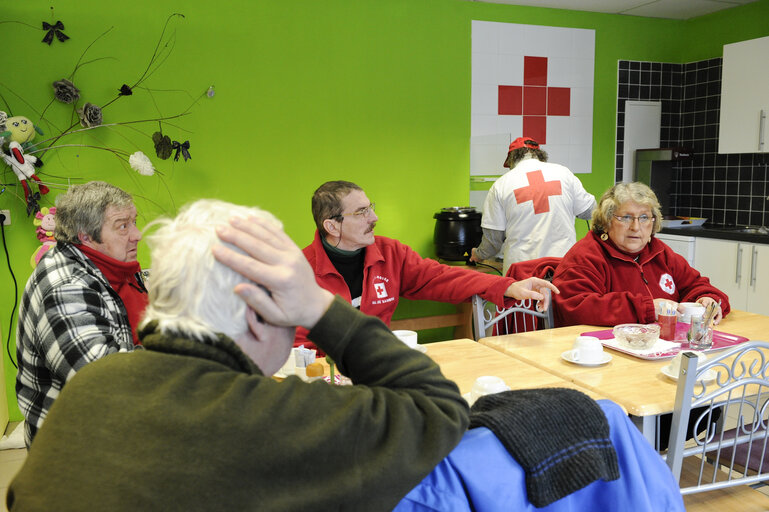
(532, 81)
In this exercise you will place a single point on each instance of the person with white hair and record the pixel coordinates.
(195, 421)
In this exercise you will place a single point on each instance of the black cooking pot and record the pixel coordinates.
(457, 231)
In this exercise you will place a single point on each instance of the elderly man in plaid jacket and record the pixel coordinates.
(84, 298)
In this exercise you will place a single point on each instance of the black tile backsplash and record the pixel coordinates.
(727, 189)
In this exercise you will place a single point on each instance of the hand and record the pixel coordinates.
(532, 288)
(474, 255)
(272, 260)
(706, 301)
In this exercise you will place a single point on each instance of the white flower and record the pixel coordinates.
(141, 164)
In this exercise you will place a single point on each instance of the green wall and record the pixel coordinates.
(374, 91)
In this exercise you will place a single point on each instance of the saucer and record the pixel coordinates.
(605, 359)
(708, 376)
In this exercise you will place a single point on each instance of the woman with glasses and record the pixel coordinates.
(620, 272)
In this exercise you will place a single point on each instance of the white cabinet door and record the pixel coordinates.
(744, 95)
(683, 245)
(727, 264)
(758, 287)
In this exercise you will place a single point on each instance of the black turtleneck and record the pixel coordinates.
(350, 265)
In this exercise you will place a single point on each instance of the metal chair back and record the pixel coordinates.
(491, 320)
(733, 451)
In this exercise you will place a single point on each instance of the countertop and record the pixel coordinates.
(725, 233)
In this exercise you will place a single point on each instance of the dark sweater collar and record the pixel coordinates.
(220, 349)
(330, 249)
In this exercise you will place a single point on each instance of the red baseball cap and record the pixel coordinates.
(523, 142)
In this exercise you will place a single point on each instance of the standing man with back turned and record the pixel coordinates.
(529, 212)
(372, 272)
(84, 299)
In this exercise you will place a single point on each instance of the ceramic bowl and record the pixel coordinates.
(637, 336)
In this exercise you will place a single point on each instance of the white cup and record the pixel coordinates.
(487, 385)
(407, 337)
(675, 363)
(587, 349)
(688, 310)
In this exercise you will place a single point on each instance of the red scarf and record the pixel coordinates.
(121, 276)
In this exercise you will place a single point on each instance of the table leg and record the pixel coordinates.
(648, 427)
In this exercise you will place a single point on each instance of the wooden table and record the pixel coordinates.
(636, 384)
(464, 360)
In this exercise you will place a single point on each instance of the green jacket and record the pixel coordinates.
(185, 425)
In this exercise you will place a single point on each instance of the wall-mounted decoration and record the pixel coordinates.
(25, 145)
(532, 81)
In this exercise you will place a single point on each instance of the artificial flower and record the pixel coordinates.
(90, 115)
(162, 145)
(141, 164)
(65, 91)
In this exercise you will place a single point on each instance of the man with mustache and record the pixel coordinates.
(84, 299)
(372, 272)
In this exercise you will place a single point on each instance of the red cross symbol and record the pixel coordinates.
(538, 191)
(667, 284)
(534, 100)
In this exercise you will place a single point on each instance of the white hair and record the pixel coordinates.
(190, 292)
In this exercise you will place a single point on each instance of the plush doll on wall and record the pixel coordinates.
(45, 221)
(17, 133)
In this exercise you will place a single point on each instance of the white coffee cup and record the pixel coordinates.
(487, 385)
(407, 337)
(586, 349)
(689, 309)
(675, 363)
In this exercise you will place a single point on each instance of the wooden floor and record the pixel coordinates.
(735, 499)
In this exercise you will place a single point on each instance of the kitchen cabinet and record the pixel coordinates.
(744, 97)
(683, 245)
(739, 269)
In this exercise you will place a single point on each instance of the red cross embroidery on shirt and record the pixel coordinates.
(538, 191)
(534, 100)
(668, 284)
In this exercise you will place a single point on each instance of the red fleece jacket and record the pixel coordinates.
(601, 285)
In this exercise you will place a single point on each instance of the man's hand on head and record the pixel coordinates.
(274, 261)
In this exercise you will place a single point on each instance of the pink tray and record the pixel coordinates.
(721, 340)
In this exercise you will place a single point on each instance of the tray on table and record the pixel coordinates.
(666, 349)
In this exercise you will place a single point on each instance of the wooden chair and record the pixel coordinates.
(491, 320)
(737, 381)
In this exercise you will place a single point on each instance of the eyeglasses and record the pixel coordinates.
(361, 212)
(628, 219)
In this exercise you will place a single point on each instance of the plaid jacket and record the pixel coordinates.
(69, 316)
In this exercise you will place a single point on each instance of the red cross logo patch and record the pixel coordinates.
(381, 291)
(538, 191)
(667, 284)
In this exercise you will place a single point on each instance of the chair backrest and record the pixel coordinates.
(491, 320)
(732, 451)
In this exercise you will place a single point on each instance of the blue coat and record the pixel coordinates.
(480, 475)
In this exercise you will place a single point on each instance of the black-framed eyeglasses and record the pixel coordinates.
(360, 212)
(628, 219)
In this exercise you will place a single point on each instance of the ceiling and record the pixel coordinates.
(670, 9)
